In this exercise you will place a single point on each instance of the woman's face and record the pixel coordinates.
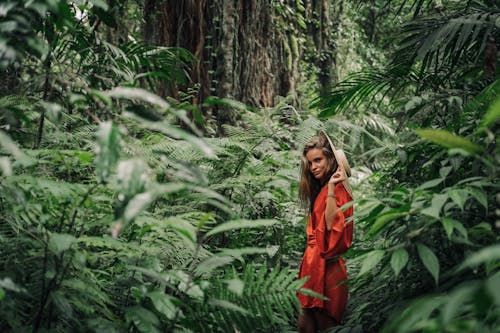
(317, 163)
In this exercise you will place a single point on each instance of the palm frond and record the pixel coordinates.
(444, 41)
(365, 87)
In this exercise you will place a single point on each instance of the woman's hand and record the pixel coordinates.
(338, 176)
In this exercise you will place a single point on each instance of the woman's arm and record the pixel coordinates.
(331, 199)
(331, 206)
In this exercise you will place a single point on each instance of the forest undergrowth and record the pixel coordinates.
(125, 211)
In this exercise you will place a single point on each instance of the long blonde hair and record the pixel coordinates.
(309, 187)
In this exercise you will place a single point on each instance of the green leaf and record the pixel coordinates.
(235, 285)
(430, 183)
(101, 4)
(8, 284)
(163, 303)
(11, 148)
(239, 253)
(183, 228)
(492, 286)
(309, 292)
(438, 200)
(144, 320)
(448, 225)
(53, 112)
(399, 259)
(460, 296)
(208, 265)
(449, 140)
(131, 178)
(485, 255)
(459, 197)
(382, 221)
(137, 204)
(227, 305)
(429, 260)
(445, 171)
(240, 224)
(371, 260)
(2, 294)
(107, 149)
(493, 113)
(480, 196)
(60, 242)
(5, 166)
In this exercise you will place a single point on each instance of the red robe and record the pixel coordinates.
(327, 276)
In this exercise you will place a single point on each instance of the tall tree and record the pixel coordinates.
(245, 50)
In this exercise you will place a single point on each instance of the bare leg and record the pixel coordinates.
(324, 320)
(307, 322)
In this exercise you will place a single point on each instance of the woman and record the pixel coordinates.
(324, 188)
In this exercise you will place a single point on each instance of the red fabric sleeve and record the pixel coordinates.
(337, 240)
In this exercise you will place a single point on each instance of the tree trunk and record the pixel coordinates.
(242, 53)
(321, 28)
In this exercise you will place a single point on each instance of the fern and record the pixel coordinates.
(250, 301)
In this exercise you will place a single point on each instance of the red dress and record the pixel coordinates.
(326, 276)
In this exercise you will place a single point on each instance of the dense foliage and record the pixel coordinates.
(117, 214)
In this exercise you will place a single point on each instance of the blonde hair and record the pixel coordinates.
(309, 187)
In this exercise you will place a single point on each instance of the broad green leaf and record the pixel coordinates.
(60, 242)
(107, 149)
(480, 196)
(371, 260)
(459, 197)
(487, 254)
(382, 221)
(399, 259)
(448, 225)
(445, 171)
(449, 140)
(429, 260)
(164, 303)
(2, 294)
(240, 224)
(430, 183)
(438, 200)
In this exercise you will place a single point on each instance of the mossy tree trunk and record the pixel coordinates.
(243, 50)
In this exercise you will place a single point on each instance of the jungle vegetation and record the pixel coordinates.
(149, 155)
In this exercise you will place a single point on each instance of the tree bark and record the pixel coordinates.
(242, 52)
(245, 50)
